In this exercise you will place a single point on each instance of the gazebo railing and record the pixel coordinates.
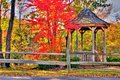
(87, 55)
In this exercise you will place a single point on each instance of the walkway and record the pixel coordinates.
(57, 78)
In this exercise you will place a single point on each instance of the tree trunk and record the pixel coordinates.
(9, 32)
(1, 55)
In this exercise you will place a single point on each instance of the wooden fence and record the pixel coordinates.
(33, 61)
(53, 62)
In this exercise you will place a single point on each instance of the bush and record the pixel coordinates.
(75, 58)
(16, 56)
(113, 59)
(45, 67)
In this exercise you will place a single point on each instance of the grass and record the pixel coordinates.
(79, 72)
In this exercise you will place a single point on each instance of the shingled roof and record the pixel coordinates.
(87, 18)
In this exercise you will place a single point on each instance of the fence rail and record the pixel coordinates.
(32, 62)
(96, 53)
(98, 63)
(52, 62)
(37, 53)
(72, 53)
(63, 63)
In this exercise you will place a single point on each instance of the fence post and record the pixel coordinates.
(68, 41)
(68, 60)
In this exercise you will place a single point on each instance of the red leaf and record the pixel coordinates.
(53, 14)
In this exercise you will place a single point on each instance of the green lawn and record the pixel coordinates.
(97, 73)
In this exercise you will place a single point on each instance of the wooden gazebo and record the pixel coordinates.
(87, 20)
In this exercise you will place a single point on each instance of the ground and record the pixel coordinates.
(86, 71)
(73, 72)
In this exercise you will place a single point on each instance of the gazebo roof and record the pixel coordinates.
(86, 18)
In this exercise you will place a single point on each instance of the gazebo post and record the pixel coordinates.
(93, 42)
(77, 40)
(71, 40)
(81, 41)
(95, 39)
(81, 49)
(68, 52)
(95, 46)
(71, 47)
(82, 32)
(104, 43)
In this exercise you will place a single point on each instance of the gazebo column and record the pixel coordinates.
(81, 41)
(77, 40)
(93, 42)
(82, 33)
(71, 40)
(95, 34)
(95, 46)
(83, 56)
(104, 43)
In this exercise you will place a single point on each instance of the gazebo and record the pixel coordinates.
(87, 20)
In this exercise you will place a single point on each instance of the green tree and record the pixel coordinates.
(22, 37)
(92, 4)
(99, 3)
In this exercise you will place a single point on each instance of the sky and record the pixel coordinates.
(111, 18)
(115, 13)
(115, 5)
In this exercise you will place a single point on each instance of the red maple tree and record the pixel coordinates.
(52, 16)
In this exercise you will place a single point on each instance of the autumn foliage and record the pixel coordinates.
(113, 38)
(52, 17)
